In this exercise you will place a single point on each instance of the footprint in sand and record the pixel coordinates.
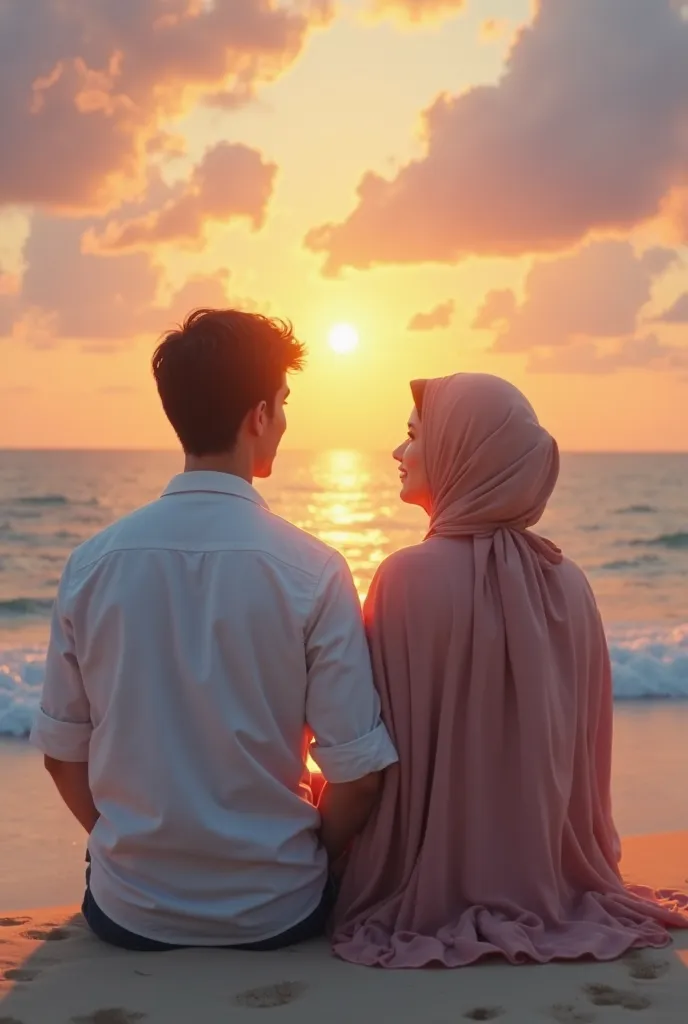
(21, 974)
(484, 1013)
(646, 970)
(567, 1013)
(13, 922)
(605, 995)
(271, 995)
(115, 1015)
(10, 1020)
(47, 934)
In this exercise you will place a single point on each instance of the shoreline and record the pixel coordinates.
(43, 848)
(52, 969)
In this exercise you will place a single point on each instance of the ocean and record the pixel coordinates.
(624, 518)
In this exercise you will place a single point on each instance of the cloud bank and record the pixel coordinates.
(68, 293)
(582, 313)
(596, 292)
(85, 85)
(584, 131)
(645, 353)
(230, 182)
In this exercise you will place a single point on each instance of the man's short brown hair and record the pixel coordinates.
(215, 368)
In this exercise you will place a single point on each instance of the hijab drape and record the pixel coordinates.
(494, 833)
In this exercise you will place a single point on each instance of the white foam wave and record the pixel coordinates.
(649, 664)
(21, 677)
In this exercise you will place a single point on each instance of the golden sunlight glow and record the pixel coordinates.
(343, 339)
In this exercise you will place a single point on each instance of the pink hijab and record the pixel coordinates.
(494, 833)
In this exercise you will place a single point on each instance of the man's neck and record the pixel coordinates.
(234, 463)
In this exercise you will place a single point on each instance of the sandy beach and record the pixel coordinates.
(53, 972)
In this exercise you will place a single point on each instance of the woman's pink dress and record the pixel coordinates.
(494, 833)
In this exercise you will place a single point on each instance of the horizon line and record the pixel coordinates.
(316, 451)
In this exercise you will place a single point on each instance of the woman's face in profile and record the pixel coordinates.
(415, 489)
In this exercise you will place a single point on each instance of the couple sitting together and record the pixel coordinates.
(202, 646)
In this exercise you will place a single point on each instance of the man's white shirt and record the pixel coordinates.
(195, 644)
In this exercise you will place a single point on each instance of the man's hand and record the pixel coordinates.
(344, 808)
(71, 780)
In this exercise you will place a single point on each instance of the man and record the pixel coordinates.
(196, 646)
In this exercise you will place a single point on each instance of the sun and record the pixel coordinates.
(343, 339)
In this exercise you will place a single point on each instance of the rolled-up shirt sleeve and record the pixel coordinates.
(342, 706)
(62, 727)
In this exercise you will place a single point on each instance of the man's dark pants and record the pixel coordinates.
(108, 931)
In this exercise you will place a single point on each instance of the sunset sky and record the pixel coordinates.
(487, 185)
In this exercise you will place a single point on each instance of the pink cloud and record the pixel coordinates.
(440, 316)
(646, 353)
(85, 295)
(231, 181)
(9, 283)
(677, 313)
(580, 313)
(498, 307)
(200, 290)
(85, 86)
(66, 293)
(595, 292)
(584, 131)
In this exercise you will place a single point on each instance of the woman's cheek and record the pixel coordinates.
(411, 458)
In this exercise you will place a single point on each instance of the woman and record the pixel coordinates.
(494, 834)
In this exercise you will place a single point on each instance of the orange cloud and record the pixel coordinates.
(168, 144)
(9, 283)
(440, 316)
(416, 10)
(85, 87)
(674, 214)
(596, 292)
(584, 131)
(230, 182)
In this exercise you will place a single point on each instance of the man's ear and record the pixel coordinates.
(256, 419)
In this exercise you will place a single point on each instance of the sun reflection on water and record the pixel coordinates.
(344, 513)
(349, 500)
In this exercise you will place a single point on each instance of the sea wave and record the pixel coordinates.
(26, 606)
(32, 541)
(649, 663)
(673, 541)
(43, 499)
(624, 564)
(34, 503)
(636, 510)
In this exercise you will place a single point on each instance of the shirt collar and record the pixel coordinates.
(212, 482)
